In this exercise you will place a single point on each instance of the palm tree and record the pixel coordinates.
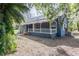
(9, 14)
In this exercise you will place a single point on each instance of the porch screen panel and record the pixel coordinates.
(30, 26)
(26, 28)
(37, 27)
(45, 27)
(54, 27)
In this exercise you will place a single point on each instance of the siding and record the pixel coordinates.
(44, 35)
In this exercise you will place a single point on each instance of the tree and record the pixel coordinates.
(9, 14)
(51, 10)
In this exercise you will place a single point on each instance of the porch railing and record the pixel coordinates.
(43, 30)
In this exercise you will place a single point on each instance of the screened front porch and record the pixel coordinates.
(45, 27)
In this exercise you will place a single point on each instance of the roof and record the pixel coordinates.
(39, 19)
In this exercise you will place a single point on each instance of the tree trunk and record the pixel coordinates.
(58, 29)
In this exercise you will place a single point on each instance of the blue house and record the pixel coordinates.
(38, 25)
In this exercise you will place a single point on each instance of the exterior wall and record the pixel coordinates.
(40, 34)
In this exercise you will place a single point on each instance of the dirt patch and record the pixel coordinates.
(36, 46)
(68, 51)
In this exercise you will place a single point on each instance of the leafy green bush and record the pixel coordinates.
(72, 26)
(10, 15)
(7, 44)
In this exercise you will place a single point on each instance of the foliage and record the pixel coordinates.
(7, 43)
(48, 9)
(71, 26)
(9, 14)
(51, 10)
(54, 8)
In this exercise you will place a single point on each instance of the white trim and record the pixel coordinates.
(28, 28)
(50, 29)
(34, 21)
(44, 32)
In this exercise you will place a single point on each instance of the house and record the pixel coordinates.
(38, 25)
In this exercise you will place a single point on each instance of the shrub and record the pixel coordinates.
(72, 26)
(7, 44)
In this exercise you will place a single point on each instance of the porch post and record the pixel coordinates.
(33, 27)
(50, 28)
